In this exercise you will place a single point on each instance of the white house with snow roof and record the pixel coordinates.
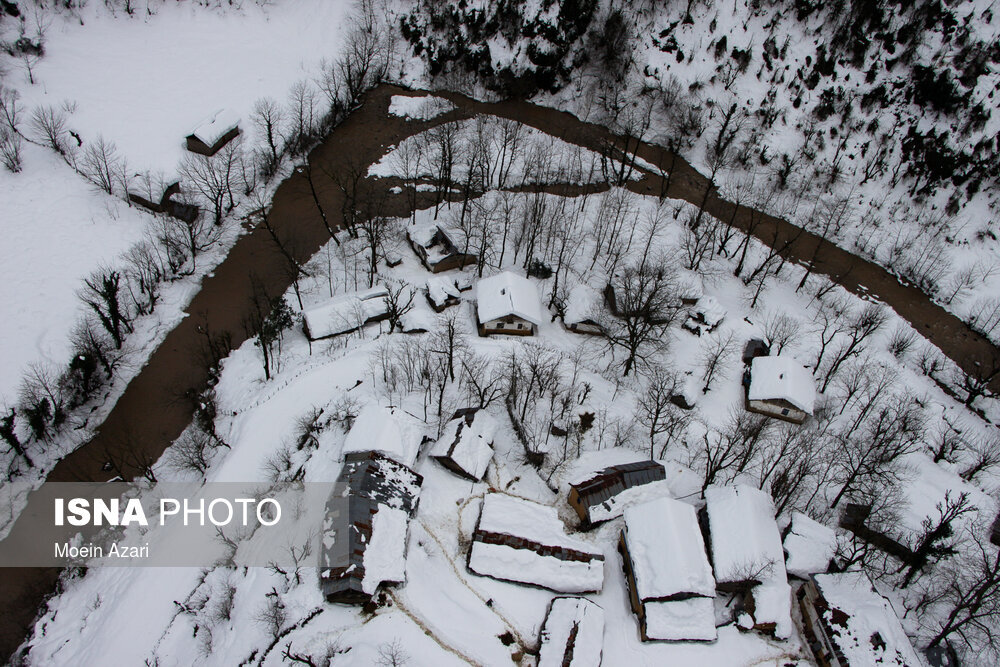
(781, 387)
(507, 304)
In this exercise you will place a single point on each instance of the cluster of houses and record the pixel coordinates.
(678, 562)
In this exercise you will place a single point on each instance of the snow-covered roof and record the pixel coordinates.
(680, 620)
(418, 318)
(867, 613)
(522, 541)
(385, 555)
(582, 305)
(346, 312)
(422, 234)
(440, 289)
(384, 430)
(467, 441)
(574, 629)
(745, 536)
(773, 378)
(810, 546)
(711, 310)
(606, 493)
(216, 126)
(667, 550)
(508, 294)
(773, 605)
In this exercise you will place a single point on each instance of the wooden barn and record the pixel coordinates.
(846, 623)
(670, 584)
(781, 387)
(214, 132)
(604, 495)
(364, 532)
(582, 308)
(572, 634)
(438, 248)
(165, 203)
(346, 312)
(507, 304)
(466, 444)
(442, 293)
(525, 542)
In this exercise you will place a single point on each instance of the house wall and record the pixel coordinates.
(777, 410)
(510, 325)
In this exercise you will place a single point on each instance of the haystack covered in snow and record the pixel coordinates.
(670, 583)
(582, 308)
(572, 635)
(705, 316)
(364, 532)
(385, 430)
(747, 557)
(214, 132)
(345, 312)
(604, 495)
(524, 542)
(507, 304)
(438, 248)
(847, 622)
(466, 444)
(809, 546)
(781, 387)
(442, 293)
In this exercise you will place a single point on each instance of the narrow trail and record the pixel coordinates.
(428, 631)
(152, 411)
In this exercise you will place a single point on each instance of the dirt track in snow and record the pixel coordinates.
(152, 411)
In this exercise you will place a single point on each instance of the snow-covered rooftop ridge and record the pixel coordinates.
(784, 378)
(385, 555)
(810, 546)
(467, 442)
(574, 627)
(746, 543)
(867, 613)
(441, 288)
(345, 312)
(582, 304)
(506, 294)
(710, 310)
(384, 430)
(216, 126)
(667, 550)
(529, 520)
(681, 620)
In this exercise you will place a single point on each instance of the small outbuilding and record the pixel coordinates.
(809, 546)
(847, 623)
(705, 316)
(670, 583)
(345, 313)
(572, 634)
(525, 542)
(442, 293)
(214, 132)
(582, 308)
(604, 495)
(438, 248)
(781, 387)
(365, 528)
(466, 444)
(388, 431)
(507, 304)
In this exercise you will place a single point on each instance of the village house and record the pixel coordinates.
(466, 443)
(670, 584)
(438, 248)
(388, 431)
(364, 531)
(582, 307)
(604, 495)
(846, 623)
(780, 387)
(572, 634)
(214, 132)
(507, 304)
(345, 312)
(525, 542)
(809, 547)
(747, 556)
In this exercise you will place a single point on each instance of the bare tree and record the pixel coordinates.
(399, 302)
(102, 293)
(101, 164)
(268, 117)
(10, 149)
(781, 330)
(714, 358)
(49, 127)
(657, 412)
(210, 177)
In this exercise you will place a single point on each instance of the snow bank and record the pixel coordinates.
(419, 108)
